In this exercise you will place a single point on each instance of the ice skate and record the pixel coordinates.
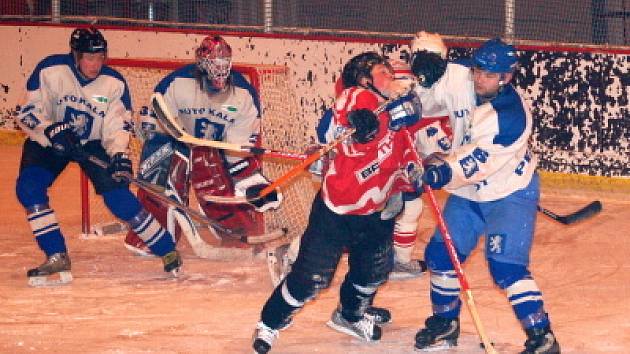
(409, 270)
(364, 328)
(278, 263)
(264, 338)
(439, 334)
(57, 265)
(541, 341)
(381, 315)
(134, 244)
(172, 262)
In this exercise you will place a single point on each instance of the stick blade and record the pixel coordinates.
(584, 213)
(164, 116)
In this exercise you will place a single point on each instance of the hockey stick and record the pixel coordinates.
(170, 124)
(586, 212)
(323, 150)
(452, 253)
(155, 192)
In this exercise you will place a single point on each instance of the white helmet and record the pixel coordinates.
(431, 42)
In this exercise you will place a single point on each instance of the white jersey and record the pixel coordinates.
(454, 92)
(232, 115)
(494, 159)
(490, 155)
(97, 109)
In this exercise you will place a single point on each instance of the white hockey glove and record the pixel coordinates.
(251, 186)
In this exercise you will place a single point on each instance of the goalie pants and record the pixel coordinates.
(368, 241)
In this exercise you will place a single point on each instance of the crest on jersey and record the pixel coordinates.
(206, 129)
(30, 121)
(80, 121)
(496, 244)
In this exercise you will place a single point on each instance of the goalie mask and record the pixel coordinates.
(214, 61)
(87, 40)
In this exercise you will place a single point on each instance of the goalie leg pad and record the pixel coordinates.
(210, 177)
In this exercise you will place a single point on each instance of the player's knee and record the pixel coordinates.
(437, 258)
(122, 203)
(32, 185)
(304, 285)
(506, 274)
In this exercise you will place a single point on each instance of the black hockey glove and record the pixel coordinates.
(251, 187)
(428, 67)
(64, 140)
(365, 124)
(120, 168)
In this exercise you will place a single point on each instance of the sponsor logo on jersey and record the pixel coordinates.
(206, 112)
(100, 99)
(384, 151)
(229, 108)
(81, 101)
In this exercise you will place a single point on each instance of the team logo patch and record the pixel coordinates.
(206, 129)
(100, 99)
(80, 121)
(30, 121)
(496, 244)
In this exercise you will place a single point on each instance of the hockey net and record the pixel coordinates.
(281, 130)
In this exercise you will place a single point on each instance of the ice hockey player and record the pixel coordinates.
(494, 188)
(77, 106)
(364, 172)
(214, 102)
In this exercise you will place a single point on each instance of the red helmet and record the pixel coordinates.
(214, 59)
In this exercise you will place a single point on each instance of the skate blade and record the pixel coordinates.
(404, 276)
(345, 330)
(45, 280)
(439, 346)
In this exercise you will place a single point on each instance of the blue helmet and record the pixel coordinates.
(495, 56)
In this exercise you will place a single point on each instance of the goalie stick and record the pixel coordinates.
(169, 123)
(586, 212)
(155, 192)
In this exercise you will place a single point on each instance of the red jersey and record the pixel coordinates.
(362, 177)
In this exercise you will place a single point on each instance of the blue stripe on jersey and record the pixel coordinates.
(324, 125)
(52, 60)
(239, 81)
(186, 71)
(511, 116)
(126, 96)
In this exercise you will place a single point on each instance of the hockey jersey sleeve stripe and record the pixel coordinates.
(239, 81)
(511, 117)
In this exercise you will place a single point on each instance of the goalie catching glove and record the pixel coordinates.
(251, 187)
